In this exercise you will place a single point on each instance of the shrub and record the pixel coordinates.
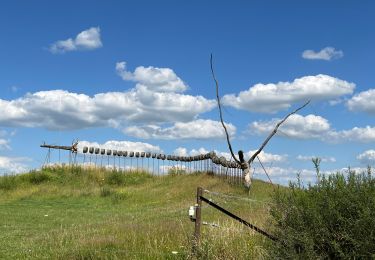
(38, 177)
(8, 182)
(333, 219)
(116, 178)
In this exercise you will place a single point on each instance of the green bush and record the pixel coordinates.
(334, 219)
(8, 182)
(116, 178)
(38, 177)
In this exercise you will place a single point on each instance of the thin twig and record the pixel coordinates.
(274, 132)
(264, 169)
(221, 114)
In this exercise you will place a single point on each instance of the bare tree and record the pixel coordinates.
(245, 165)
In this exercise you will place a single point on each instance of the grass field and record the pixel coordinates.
(65, 213)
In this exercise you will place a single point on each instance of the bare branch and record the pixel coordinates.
(264, 169)
(221, 114)
(274, 132)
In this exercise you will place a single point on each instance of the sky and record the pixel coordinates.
(136, 75)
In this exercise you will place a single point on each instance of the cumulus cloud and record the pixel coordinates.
(63, 110)
(197, 129)
(153, 100)
(367, 157)
(86, 40)
(364, 101)
(296, 126)
(9, 165)
(309, 158)
(270, 98)
(181, 151)
(313, 127)
(121, 145)
(151, 78)
(356, 134)
(328, 53)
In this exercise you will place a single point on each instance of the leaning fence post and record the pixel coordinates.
(198, 219)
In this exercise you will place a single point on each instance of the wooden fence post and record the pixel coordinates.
(198, 218)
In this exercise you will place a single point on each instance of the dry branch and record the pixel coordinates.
(274, 132)
(221, 114)
(245, 166)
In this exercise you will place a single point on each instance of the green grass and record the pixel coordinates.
(75, 213)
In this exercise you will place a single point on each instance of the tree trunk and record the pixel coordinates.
(247, 176)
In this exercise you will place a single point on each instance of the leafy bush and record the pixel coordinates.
(334, 219)
(38, 177)
(116, 178)
(8, 182)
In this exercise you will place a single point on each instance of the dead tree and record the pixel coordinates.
(245, 165)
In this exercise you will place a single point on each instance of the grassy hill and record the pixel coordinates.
(73, 213)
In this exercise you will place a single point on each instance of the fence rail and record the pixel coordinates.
(197, 218)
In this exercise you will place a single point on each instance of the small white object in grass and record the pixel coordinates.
(46, 215)
(174, 252)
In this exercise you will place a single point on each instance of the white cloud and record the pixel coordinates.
(296, 126)
(199, 151)
(153, 79)
(356, 134)
(62, 110)
(270, 98)
(10, 165)
(85, 40)
(121, 145)
(313, 127)
(328, 53)
(181, 151)
(367, 157)
(364, 101)
(268, 157)
(309, 158)
(153, 100)
(197, 129)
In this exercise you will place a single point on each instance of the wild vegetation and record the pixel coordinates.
(76, 213)
(334, 219)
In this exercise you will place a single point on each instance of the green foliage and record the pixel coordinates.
(38, 177)
(125, 178)
(116, 178)
(334, 219)
(105, 191)
(8, 182)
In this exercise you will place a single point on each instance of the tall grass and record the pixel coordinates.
(88, 213)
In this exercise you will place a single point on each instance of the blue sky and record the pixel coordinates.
(118, 72)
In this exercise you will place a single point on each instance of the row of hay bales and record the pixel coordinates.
(211, 155)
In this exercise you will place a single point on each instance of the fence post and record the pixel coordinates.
(198, 218)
